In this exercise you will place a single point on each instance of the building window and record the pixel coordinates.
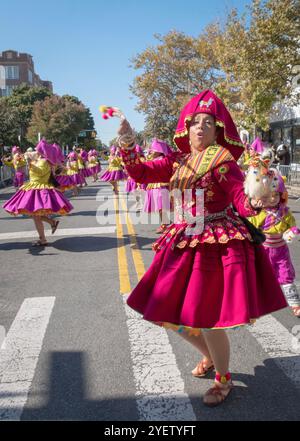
(30, 76)
(7, 91)
(12, 72)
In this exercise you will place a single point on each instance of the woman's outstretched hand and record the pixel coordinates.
(256, 203)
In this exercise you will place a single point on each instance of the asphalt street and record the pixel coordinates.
(74, 351)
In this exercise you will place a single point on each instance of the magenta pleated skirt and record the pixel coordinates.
(38, 202)
(65, 180)
(131, 186)
(94, 170)
(157, 199)
(77, 179)
(115, 175)
(19, 179)
(208, 286)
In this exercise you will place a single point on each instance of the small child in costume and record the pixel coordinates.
(279, 225)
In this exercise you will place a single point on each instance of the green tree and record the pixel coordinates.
(177, 68)
(248, 61)
(57, 119)
(257, 60)
(9, 123)
(22, 101)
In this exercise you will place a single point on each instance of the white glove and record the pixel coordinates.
(288, 236)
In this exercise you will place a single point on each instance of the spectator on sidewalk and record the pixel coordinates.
(283, 154)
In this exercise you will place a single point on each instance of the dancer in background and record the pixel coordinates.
(73, 172)
(93, 165)
(115, 171)
(39, 198)
(157, 198)
(134, 187)
(18, 163)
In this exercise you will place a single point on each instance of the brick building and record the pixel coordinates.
(18, 68)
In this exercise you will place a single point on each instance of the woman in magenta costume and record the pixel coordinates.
(115, 171)
(211, 277)
(39, 198)
(18, 163)
(65, 181)
(134, 187)
(93, 165)
(81, 167)
(157, 197)
(73, 171)
(84, 156)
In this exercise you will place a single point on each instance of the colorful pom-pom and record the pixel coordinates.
(110, 111)
(104, 116)
(103, 109)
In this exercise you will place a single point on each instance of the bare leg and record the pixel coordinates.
(199, 343)
(219, 348)
(48, 220)
(160, 216)
(115, 186)
(40, 228)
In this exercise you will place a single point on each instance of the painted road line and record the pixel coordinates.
(136, 254)
(20, 353)
(61, 232)
(159, 384)
(280, 345)
(125, 286)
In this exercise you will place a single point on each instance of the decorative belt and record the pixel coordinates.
(201, 220)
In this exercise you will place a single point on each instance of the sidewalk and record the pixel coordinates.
(293, 190)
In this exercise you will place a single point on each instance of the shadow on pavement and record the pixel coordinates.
(263, 398)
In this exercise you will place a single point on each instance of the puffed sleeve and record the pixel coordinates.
(231, 180)
(8, 163)
(258, 220)
(146, 172)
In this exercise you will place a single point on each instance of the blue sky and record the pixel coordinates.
(84, 46)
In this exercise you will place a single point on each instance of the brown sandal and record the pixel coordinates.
(202, 369)
(296, 311)
(39, 243)
(54, 227)
(217, 394)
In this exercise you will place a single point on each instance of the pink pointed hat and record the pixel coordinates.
(208, 102)
(15, 149)
(60, 156)
(160, 147)
(84, 154)
(73, 156)
(258, 145)
(47, 151)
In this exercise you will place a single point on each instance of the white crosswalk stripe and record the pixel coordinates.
(61, 232)
(280, 345)
(19, 355)
(159, 384)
